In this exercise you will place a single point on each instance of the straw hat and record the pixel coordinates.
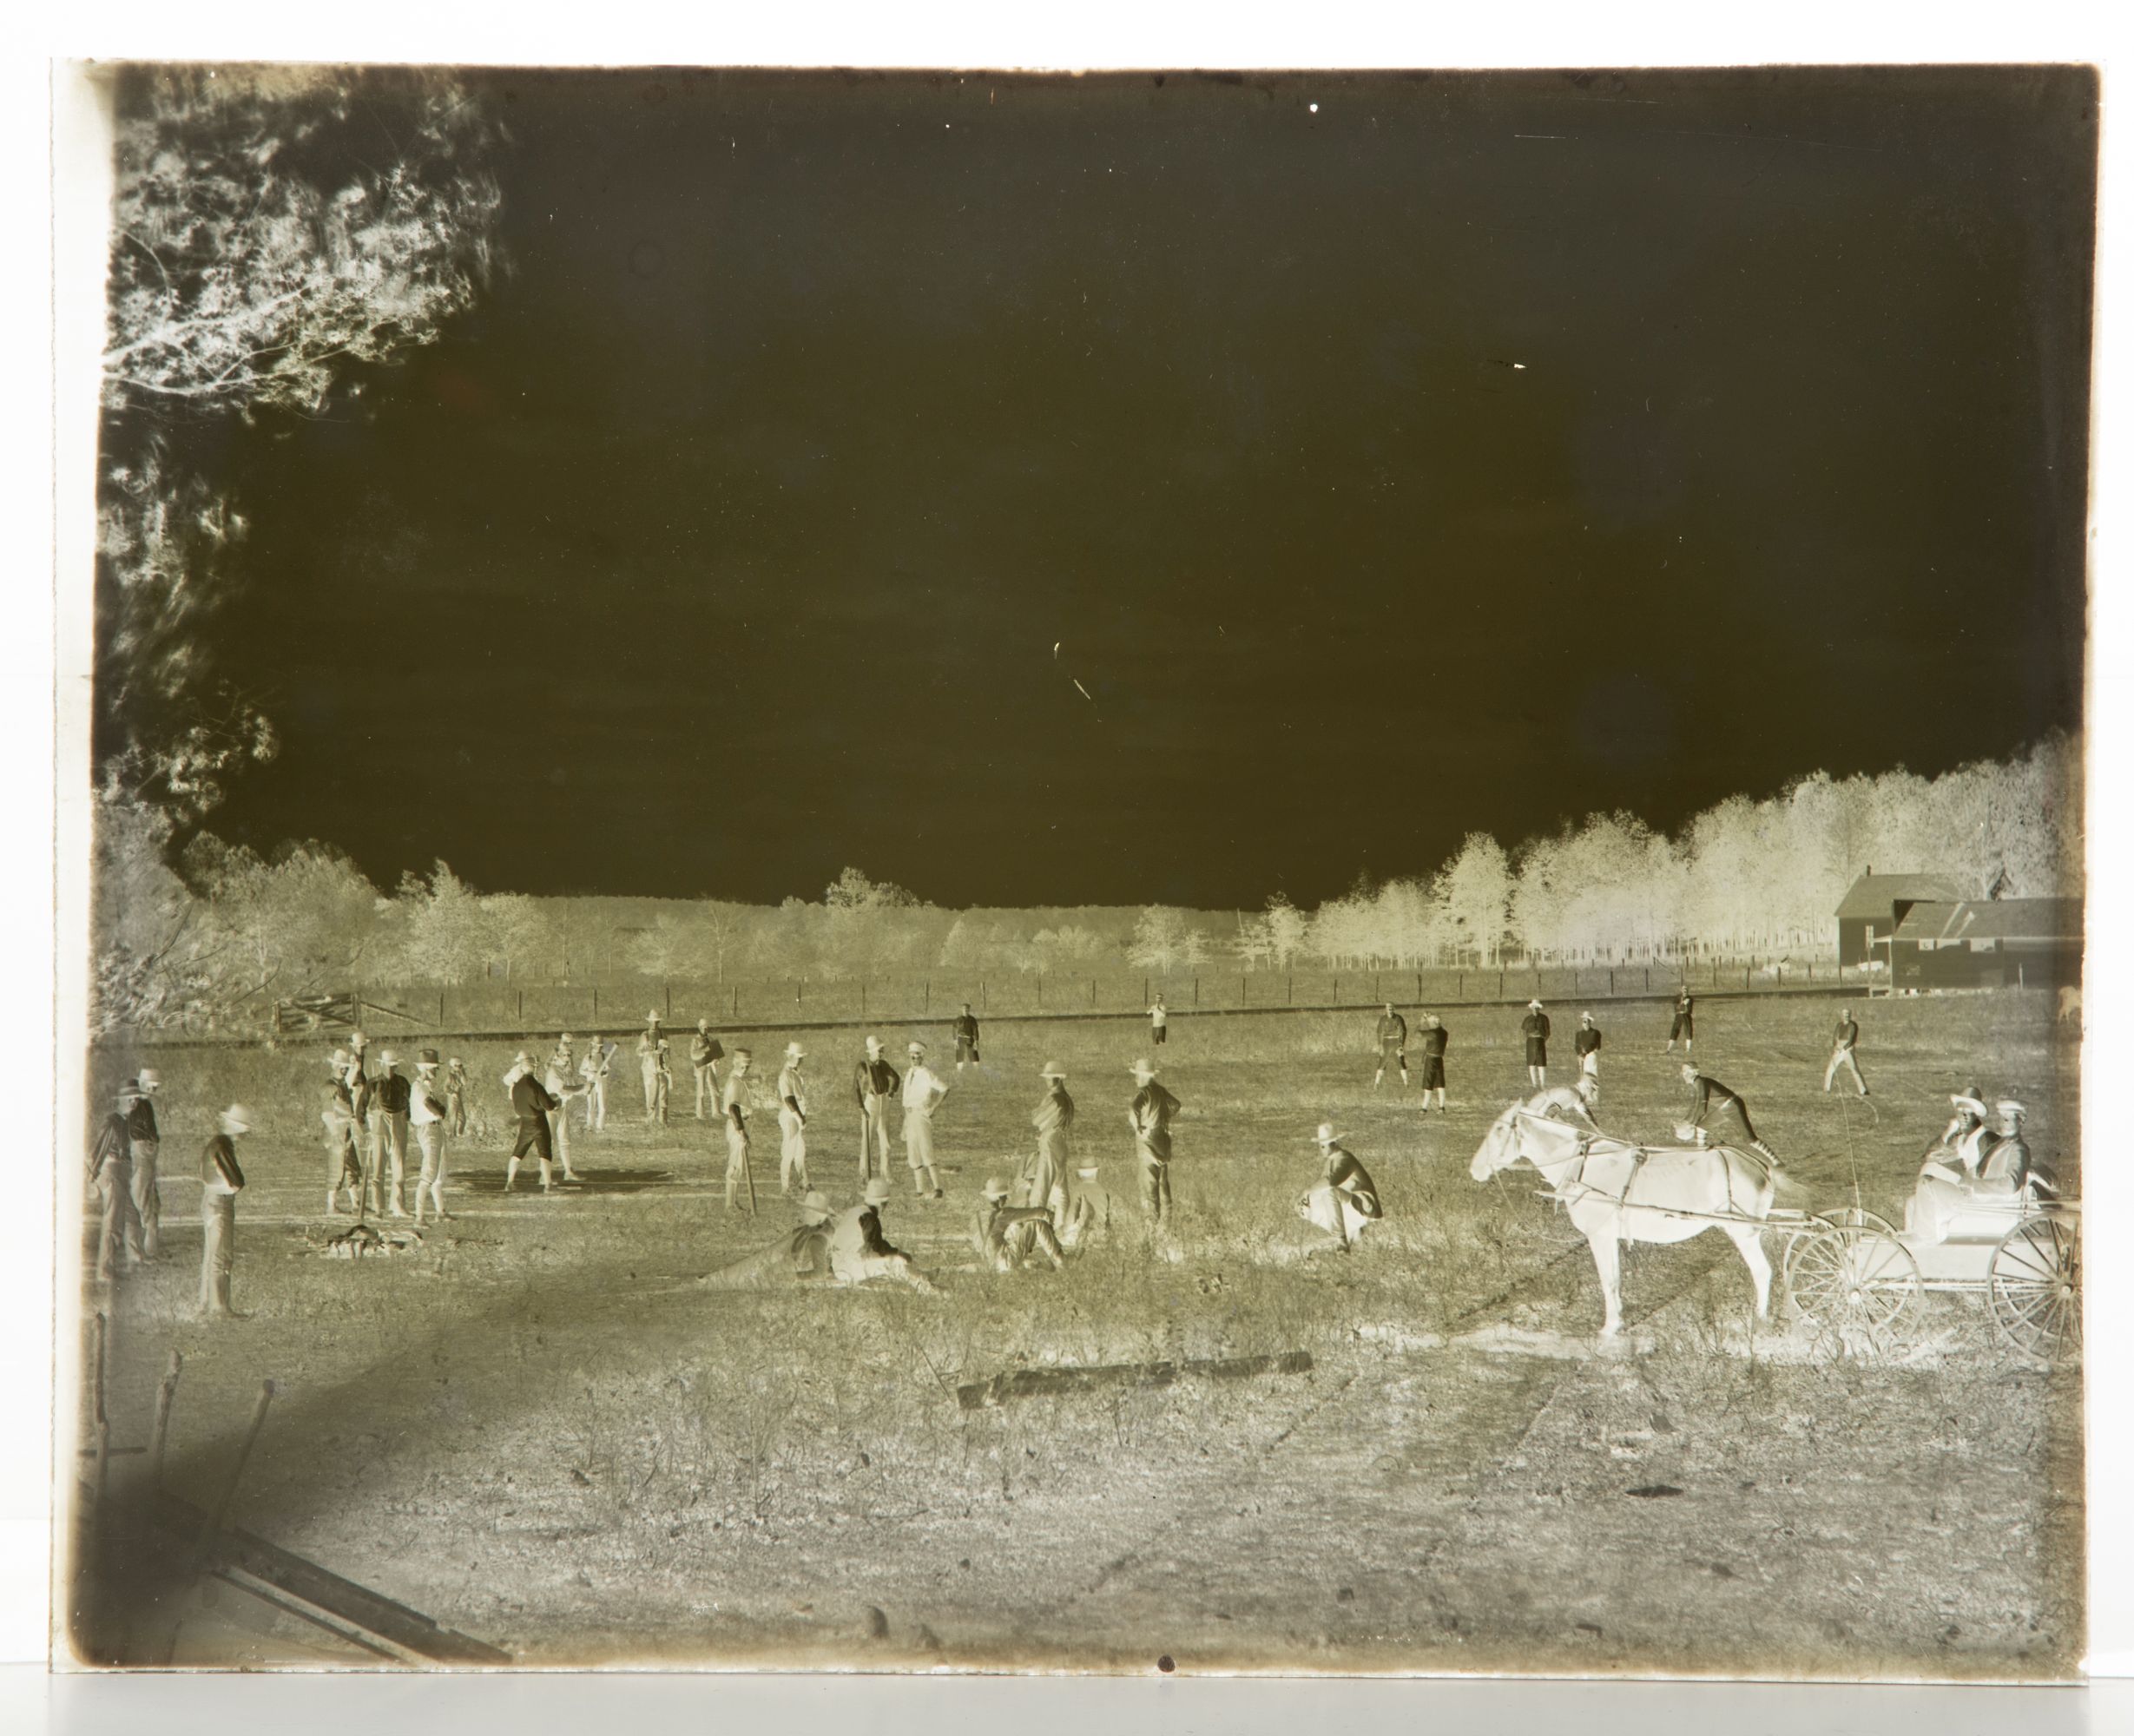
(652, 1018)
(1969, 1100)
(147, 1079)
(874, 1045)
(794, 1051)
(2008, 1106)
(1052, 1069)
(522, 1059)
(995, 1190)
(1534, 1005)
(339, 1061)
(814, 1207)
(1326, 1135)
(1586, 1019)
(388, 1057)
(876, 1191)
(1143, 1067)
(237, 1119)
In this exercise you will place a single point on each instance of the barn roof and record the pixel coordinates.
(1872, 895)
(1994, 919)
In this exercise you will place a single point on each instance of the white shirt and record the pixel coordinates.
(923, 1091)
(790, 1084)
(1158, 1016)
(423, 1087)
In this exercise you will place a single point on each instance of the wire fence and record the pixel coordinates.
(505, 1008)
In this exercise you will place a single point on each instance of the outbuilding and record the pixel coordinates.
(1877, 904)
(1989, 943)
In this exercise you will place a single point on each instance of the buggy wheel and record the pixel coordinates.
(1853, 1276)
(2033, 1289)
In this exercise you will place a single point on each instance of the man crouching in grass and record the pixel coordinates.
(1344, 1201)
(1008, 1237)
(860, 1251)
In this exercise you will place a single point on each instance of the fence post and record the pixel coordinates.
(596, 1004)
(737, 1000)
(522, 1006)
(670, 1002)
(1041, 991)
(863, 997)
(440, 1009)
(982, 1007)
(1144, 991)
(1612, 982)
(1500, 985)
(797, 983)
(1243, 999)
(1419, 985)
(1293, 989)
(925, 996)
(1197, 991)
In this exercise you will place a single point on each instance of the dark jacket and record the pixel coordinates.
(394, 1093)
(531, 1100)
(219, 1157)
(141, 1121)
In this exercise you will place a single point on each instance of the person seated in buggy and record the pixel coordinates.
(1955, 1156)
(1986, 1176)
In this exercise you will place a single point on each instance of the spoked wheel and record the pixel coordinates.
(2034, 1290)
(1852, 1278)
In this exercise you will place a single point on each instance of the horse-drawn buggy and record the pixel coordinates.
(1849, 1274)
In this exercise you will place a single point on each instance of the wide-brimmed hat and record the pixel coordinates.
(1586, 1019)
(456, 1061)
(874, 1045)
(876, 1191)
(814, 1207)
(237, 1118)
(996, 1188)
(794, 1051)
(1141, 1063)
(1052, 1069)
(652, 1018)
(388, 1057)
(426, 1057)
(124, 1098)
(358, 1039)
(147, 1079)
(703, 1024)
(1326, 1135)
(339, 1060)
(522, 1059)
(1534, 1005)
(1970, 1100)
(2008, 1106)
(566, 1037)
(914, 1048)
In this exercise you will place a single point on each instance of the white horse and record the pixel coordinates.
(1617, 1192)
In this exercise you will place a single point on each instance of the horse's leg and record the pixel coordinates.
(1608, 1261)
(1749, 1240)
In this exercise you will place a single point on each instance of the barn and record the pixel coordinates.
(2002, 942)
(1877, 904)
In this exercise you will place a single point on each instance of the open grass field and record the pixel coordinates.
(538, 1430)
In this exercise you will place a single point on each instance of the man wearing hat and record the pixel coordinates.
(389, 1108)
(706, 1051)
(792, 1122)
(1842, 1055)
(1344, 1201)
(1716, 1111)
(145, 1141)
(860, 1251)
(1535, 1028)
(1684, 1026)
(2006, 1166)
(1586, 1045)
(734, 1109)
(923, 1091)
(426, 1112)
(1054, 1119)
(111, 1173)
(966, 1029)
(874, 1088)
(531, 1105)
(1151, 1115)
(219, 1182)
(455, 1094)
(1957, 1153)
(1159, 1023)
(1006, 1236)
(336, 1114)
(652, 1064)
(563, 1084)
(362, 1105)
(1434, 1038)
(1392, 1046)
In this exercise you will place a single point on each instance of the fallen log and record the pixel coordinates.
(1029, 1383)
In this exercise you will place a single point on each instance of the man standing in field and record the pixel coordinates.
(111, 1173)
(220, 1181)
(923, 1091)
(859, 1250)
(456, 1096)
(593, 1077)
(362, 1103)
(1435, 1037)
(1054, 1119)
(389, 1109)
(705, 1053)
(1392, 1046)
(652, 1064)
(874, 1087)
(1151, 1115)
(336, 1114)
(1535, 1028)
(1842, 1054)
(734, 1106)
(1159, 1023)
(562, 1084)
(426, 1114)
(145, 1145)
(792, 1122)
(1684, 1026)
(966, 1038)
(1716, 1111)
(1586, 1044)
(531, 1105)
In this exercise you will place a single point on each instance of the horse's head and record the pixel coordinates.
(1499, 1148)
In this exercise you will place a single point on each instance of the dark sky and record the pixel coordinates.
(1475, 453)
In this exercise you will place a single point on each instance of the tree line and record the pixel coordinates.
(195, 929)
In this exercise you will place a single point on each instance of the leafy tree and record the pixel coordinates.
(1473, 894)
(1158, 941)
